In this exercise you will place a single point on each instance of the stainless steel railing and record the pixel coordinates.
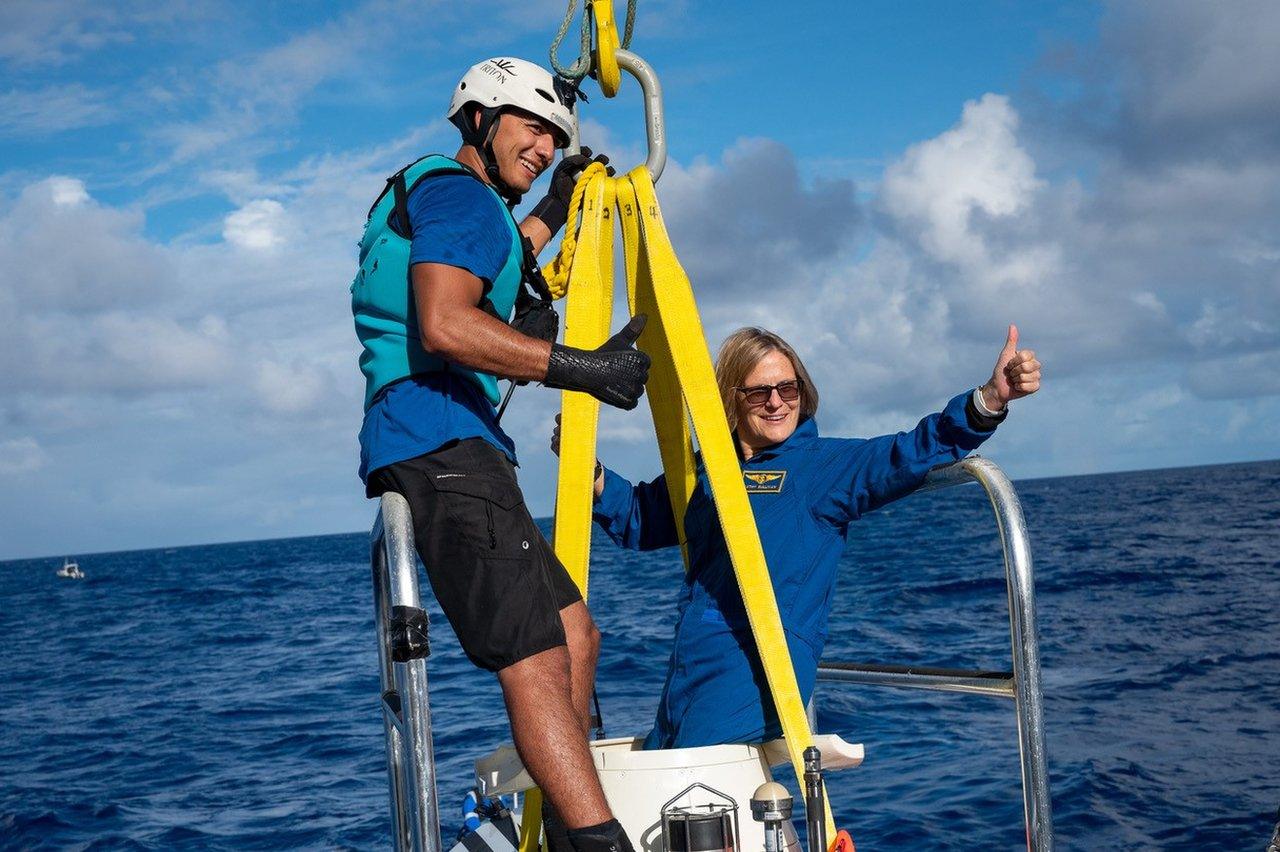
(402, 661)
(1022, 684)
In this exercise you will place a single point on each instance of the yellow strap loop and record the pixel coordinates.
(586, 325)
(603, 56)
(531, 820)
(681, 388)
(666, 402)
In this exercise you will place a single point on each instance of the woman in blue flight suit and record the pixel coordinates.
(804, 491)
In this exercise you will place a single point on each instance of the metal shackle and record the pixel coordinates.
(655, 128)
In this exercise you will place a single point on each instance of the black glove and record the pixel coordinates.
(535, 317)
(615, 373)
(553, 209)
(606, 837)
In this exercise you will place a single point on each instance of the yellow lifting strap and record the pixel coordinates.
(682, 387)
(586, 326)
(606, 45)
(587, 315)
(666, 401)
(531, 820)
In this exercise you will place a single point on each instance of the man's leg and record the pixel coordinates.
(583, 639)
(547, 725)
(517, 613)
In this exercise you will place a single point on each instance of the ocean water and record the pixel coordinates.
(225, 697)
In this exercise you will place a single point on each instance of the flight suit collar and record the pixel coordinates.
(805, 432)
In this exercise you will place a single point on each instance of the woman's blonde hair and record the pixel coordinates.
(739, 355)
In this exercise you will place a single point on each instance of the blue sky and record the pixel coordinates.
(887, 184)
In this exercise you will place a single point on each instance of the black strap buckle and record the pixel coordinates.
(408, 634)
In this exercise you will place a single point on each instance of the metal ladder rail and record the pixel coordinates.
(1022, 684)
(402, 662)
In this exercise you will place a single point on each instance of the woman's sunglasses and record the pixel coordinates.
(788, 391)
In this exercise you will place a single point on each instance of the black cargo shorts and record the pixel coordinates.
(497, 579)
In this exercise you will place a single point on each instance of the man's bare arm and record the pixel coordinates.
(452, 327)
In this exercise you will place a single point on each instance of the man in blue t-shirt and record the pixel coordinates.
(435, 336)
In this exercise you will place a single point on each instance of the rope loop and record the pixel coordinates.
(557, 271)
(582, 66)
(579, 67)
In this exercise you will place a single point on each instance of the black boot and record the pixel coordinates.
(555, 835)
(605, 837)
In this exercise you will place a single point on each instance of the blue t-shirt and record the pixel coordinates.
(456, 221)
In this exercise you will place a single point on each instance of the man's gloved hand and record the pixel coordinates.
(615, 373)
(553, 209)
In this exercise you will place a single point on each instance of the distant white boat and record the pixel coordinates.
(70, 570)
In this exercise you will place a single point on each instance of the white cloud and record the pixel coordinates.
(1194, 80)
(50, 32)
(20, 456)
(121, 353)
(53, 109)
(1218, 328)
(161, 352)
(257, 225)
(751, 224)
(63, 251)
(1238, 376)
(245, 101)
(977, 167)
(68, 192)
(292, 388)
(93, 301)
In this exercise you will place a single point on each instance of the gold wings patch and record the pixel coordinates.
(764, 481)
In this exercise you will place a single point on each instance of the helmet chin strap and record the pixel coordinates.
(482, 141)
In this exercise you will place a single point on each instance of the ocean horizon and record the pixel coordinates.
(545, 520)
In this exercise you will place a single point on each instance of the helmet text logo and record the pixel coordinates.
(499, 68)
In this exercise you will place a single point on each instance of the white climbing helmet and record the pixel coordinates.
(508, 82)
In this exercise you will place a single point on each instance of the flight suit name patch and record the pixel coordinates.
(764, 481)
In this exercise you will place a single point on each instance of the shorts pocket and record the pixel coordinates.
(487, 511)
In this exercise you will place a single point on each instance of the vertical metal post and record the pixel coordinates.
(1026, 651)
(402, 659)
(402, 834)
(1022, 684)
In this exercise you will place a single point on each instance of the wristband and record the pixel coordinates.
(980, 401)
(977, 419)
(552, 211)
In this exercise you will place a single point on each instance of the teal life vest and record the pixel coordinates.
(382, 301)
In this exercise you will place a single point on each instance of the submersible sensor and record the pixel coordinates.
(771, 805)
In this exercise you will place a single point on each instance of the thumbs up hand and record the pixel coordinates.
(1016, 374)
(615, 372)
